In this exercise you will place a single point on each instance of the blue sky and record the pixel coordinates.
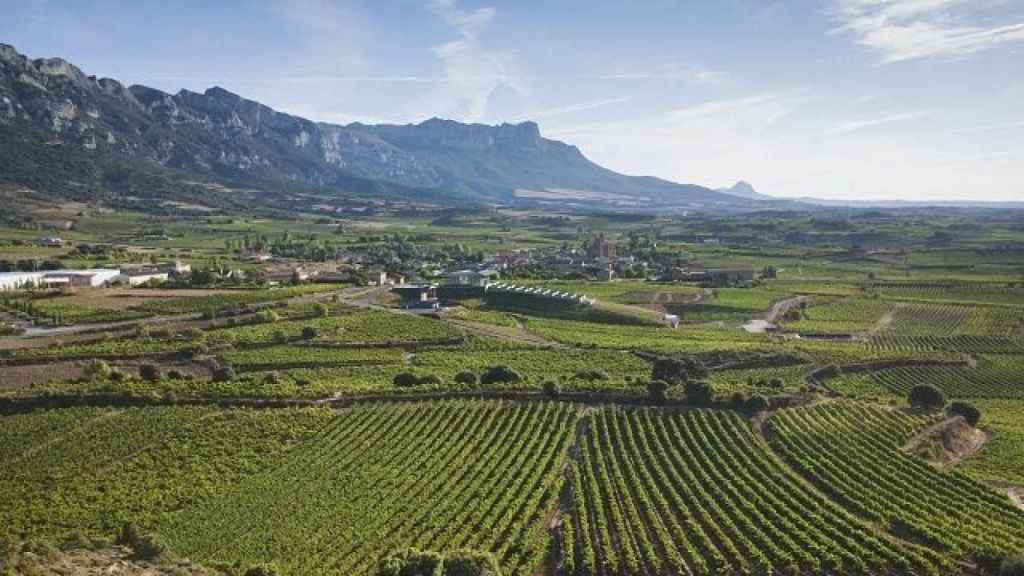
(856, 99)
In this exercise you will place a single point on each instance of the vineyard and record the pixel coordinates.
(851, 452)
(843, 316)
(995, 376)
(437, 476)
(697, 493)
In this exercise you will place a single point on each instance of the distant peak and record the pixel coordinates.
(219, 93)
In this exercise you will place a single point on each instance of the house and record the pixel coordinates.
(179, 269)
(418, 296)
(140, 277)
(376, 276)
(472, 278)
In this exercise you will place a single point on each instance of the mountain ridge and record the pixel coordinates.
(221, 135)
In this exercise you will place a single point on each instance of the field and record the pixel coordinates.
(319, 427)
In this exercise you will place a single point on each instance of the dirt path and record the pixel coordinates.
(768, 320)
(884, 322)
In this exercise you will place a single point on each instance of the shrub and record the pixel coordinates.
(310, 332)
(676, 371)
(471, 563)
(411, 562)
(97, 370)
(738, 400)
(144, 546)
(117, 376)
(969, 411)
(926, 396)
(224, 374)
(322, 310)
(591, 375)
(551, 388)
(175, 375)
(280, 336)
(699, 392)
(500, 375)
(1012, 566)
(657, 391)
(199, 349)
(465, 378)
(405, 380)
(271, 378)
(149, 372)
(267, 316)
(776, 384)
(756, 403)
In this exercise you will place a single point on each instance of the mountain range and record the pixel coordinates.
(68, 134)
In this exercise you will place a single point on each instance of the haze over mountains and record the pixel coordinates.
(218, 135)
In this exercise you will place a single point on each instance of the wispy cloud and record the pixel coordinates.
(472, 71)
(902, 30)
(668, 71)
(855, 125)
(578, 107)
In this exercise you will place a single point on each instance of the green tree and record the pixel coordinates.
(927, 397)
(969, 411)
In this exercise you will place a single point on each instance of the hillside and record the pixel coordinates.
(220, 136)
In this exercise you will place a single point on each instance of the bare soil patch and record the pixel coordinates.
(947, 443)
(113, 561)
(122, 298)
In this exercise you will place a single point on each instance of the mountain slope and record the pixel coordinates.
(222, 136)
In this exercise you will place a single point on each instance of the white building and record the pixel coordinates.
(92, 278)
(140, 277)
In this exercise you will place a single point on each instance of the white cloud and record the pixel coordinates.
(578, 107)
(902, 30)
(854, 125)
(471, 71)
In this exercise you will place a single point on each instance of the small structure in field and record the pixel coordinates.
(417, 296)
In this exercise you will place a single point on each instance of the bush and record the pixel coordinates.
(175, 375)
(224, 374)
(699, 392)
(500, 375)
(657, 391)
(776, 384)
(411, 562)
(969, 411)
(117, 376)
(927, 397)
(465, 378)
(676, 371)
(551, 388)
(149, 372)
(405, 380)
(471, 563)
(1012, 566)
(97, 370)
(756, 403)
(144, 546)
(280, 337)
(591, 375)
(310, 332)
(321, 310)
(738, 400)
(267, 316)
(199, 349)
(271, 379)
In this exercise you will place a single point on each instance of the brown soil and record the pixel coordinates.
(947, 443)
(114, 561)
(16, 377)
(121, 298)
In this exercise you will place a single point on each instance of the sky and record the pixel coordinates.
(838, 99)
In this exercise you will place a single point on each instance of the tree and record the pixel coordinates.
(969, 411)
(1012, 566)
(430, 380)
(677, 371)
(465, 378)
(149, 372)
(756, 404)
(699, 392)
(405, 380)
(927, 397)
(500, 374)
(310, 332)
(224, 374)
(322, 310)
(551, 388)
(656, 391)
